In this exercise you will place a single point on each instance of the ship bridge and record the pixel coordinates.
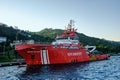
(69, 35)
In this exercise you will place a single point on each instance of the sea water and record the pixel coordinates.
(97, 70)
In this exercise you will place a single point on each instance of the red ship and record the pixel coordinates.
(65, 49)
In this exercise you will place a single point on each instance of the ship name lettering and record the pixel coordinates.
(74, 54)
(33, 51)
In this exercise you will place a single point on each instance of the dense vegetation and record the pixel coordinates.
(48, 35)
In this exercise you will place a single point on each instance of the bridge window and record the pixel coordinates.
(73, 47)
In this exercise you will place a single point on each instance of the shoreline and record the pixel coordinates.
(3, 64)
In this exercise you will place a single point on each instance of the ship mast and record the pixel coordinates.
(72, 23)
(70, 26)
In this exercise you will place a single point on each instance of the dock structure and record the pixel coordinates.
(19, 62)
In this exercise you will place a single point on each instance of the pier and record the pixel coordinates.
(19, 62)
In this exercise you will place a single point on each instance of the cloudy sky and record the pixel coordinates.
(95, 18)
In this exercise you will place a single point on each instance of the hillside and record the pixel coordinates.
(12, 34)
(49, 34)
(16, 34)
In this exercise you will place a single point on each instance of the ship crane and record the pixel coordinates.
(89, 47)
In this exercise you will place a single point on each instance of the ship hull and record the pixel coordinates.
(42, 54)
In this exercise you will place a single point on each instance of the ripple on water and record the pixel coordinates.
(98, 70)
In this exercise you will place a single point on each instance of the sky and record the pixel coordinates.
(95, 18)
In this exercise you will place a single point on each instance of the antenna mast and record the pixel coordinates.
(72, 23)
